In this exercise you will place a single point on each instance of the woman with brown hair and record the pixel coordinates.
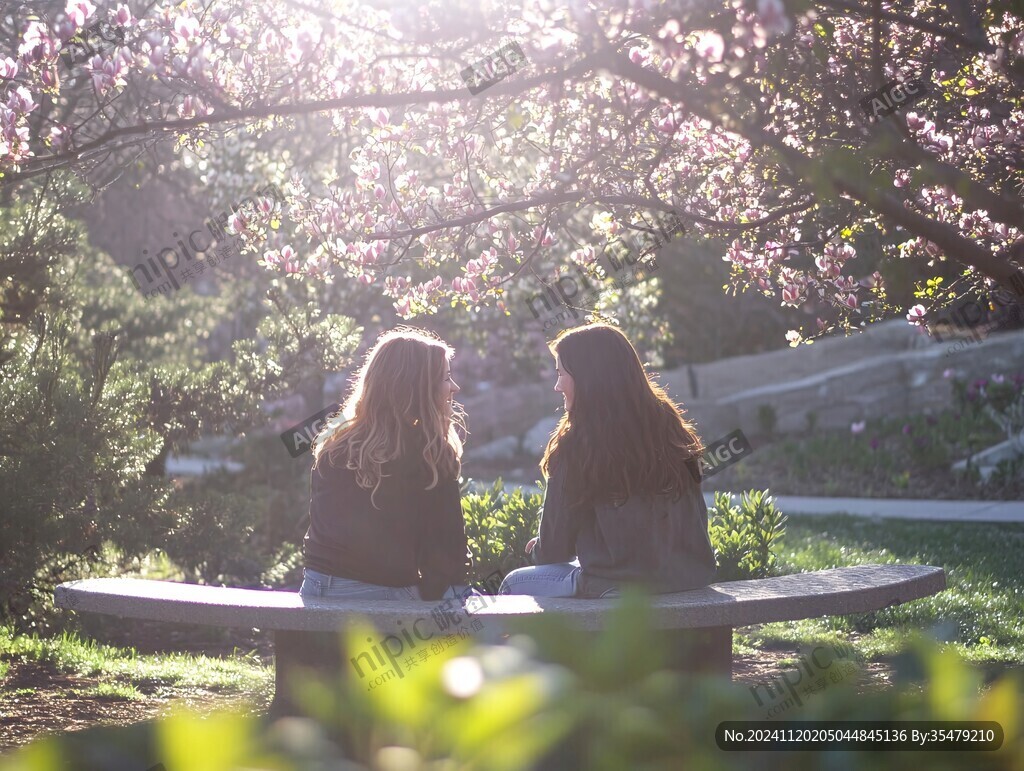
(623, 502)
(385, 511)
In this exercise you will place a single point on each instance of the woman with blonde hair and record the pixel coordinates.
(623, 502)
(385, 511)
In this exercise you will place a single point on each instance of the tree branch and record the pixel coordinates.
(853, 180)
(48, 163)
(980, 46)
(891, 144)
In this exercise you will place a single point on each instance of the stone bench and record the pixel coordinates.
(698, 624)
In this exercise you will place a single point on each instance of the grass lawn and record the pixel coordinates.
(126, 674)
(65, 683)
(981, 613)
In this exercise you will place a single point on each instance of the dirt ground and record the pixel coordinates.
(54, 703)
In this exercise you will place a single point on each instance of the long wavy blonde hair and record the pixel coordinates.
(398, 394)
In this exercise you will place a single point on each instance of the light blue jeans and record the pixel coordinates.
(322, 586)
(559, 579)
(555, 580)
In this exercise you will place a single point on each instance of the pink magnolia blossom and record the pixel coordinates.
(827, 267)
(37, 43)
(238, 222)
(186, 28)
(106, 73)
(290, 258)
(8, 68)
(710, 46)
(916, 315)
(48, 77)
(20, 100)
(266, 204)
(396, 284)
(772, 17)
(79, 11)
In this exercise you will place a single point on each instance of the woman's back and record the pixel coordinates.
(415, 537)
(648, 539)
(384, 496)
(660, 541)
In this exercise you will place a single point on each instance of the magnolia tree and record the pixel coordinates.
(494, 140)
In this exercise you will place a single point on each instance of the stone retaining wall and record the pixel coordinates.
(889, 369)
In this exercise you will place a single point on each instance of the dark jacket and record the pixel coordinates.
(650, 539)
(415, 536)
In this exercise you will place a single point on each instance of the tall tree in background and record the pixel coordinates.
(100, 385)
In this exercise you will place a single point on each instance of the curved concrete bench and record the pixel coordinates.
(699, 623)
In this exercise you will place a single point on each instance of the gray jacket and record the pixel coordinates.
(649, 540)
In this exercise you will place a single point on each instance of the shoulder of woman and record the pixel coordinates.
(694, 467)
(557, 470)
(325, 471)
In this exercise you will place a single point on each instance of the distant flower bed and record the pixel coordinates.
(901, 456)
(1000, 398)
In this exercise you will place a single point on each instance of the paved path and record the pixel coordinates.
(906, 508)
(193, 466)
(886, 508)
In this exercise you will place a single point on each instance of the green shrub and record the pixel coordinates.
(73, 451)
(498, 527)
(744, 536)
(100, 386)
(767, 419)
(244, 528)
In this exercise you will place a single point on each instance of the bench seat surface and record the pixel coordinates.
(834, 592)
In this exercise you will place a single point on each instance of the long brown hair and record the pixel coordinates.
(398, 399)
(623, 435)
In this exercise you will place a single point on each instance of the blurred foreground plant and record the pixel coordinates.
(549, 699)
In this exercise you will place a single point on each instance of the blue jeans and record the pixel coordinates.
(559, 579)
(322, 586)
(555, 580)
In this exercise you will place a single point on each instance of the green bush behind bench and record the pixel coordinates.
(499, 524)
